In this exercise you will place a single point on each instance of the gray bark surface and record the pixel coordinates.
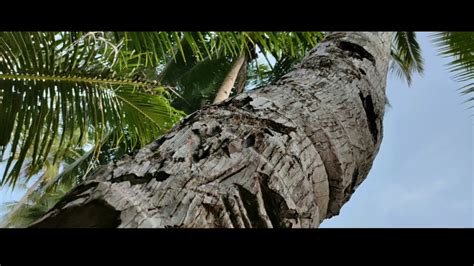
(286, 155)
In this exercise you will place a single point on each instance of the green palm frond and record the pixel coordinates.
(44, 192)
(158, 47)
(149, 115)
(36, 206)
(55, 54)
(406, 55)
(460, 47)
(53, 84)
(198, 80)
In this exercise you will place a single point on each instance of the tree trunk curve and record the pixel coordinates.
(286, 155)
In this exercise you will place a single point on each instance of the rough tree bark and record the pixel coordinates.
(287, 155)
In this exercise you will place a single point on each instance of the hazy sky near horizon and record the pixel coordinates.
(423, 173)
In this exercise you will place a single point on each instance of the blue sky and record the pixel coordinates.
(422, 176)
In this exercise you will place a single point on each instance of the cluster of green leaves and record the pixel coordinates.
(460, 47)
(158, 46)
(55, 181)
(55, 84)
(406, 55)
(198, 73)
(64, 92)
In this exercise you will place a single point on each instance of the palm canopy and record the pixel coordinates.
(62, 93)
(55, 84)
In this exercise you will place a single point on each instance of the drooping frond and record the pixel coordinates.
(460, 47)
(180, 55)
(36, 206)
(54, 182)
(197, 82)
(406, 55)
(158, 47)
(55, 84)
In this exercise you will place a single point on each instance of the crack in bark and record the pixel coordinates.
(229, 173)
(161, 176)
(243, 212)
(275, 205)
(217, 212)
(368, 105)
(239, 103)
(76, 193)
(262, 122)
(201, 154)
(250, 203)
(229, 210)
(350, 189)
(249, 141)
(94, 214)
(132, 178)
(356, 51)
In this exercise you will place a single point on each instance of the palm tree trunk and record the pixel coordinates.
(287, 155)
(241, 80)
(226, 87)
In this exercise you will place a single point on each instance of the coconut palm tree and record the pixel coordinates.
(286, 155)
(399, 54)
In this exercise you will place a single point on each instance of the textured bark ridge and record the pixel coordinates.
(287, 155)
